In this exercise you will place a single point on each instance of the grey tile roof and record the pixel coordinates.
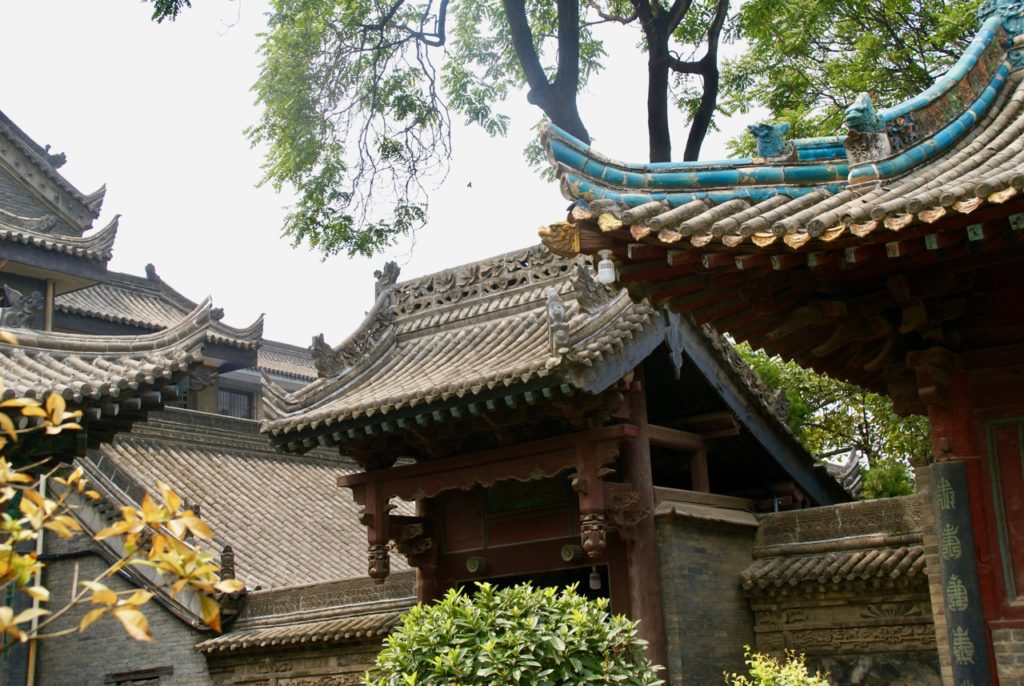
(865, 544)
(834, 568)
(346, 629)
(149, 303)
(288, 360)
(86, 368)
(284, 516)
(39, 232)
(349, 610)
(462, 332)
(114, 380)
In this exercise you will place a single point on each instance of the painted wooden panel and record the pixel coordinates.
(1006, 460)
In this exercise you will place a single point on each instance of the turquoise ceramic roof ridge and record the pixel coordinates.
(937, 143)
(587, 175)
(957, 73)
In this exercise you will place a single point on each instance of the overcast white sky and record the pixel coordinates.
(157, 112)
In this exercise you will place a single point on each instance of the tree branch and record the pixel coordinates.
(522, 42)
(567, 78)
(676, 13)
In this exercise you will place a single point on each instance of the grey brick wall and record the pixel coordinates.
(104, 649)
(339, 665)
(707, 618)
(16, 199)
(1008, 646)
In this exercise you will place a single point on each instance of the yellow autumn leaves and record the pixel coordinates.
(167, 526)
(153, 535)
(53, 415)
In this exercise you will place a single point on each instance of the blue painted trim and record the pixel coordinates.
(953, 77)
(939, 142)
(587, 190)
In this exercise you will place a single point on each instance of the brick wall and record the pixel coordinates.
(707, 618)
(340, 665)
(17, 199)
(1008, 646)
(104, 649)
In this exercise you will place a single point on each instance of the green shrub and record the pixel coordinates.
(768, 671)
(518, 635)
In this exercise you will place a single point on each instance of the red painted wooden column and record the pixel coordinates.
(943, 385)
(645, 596)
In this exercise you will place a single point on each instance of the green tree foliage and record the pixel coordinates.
(768, 671)
(519, 635)
(807, 60)
(837, 420)
(357, 95)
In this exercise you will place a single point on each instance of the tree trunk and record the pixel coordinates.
(659, 136)
(702, 118)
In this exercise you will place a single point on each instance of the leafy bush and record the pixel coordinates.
(518, 635)
(887, 477)
(768, 671)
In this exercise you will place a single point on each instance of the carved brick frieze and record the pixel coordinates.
(325, 680)
(856, 640)
(847, 624)
(890, 516)
(496, 275)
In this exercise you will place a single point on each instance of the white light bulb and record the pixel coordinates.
(606, 269)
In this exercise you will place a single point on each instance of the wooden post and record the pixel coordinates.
(955, 521)
(645, 598)
(426, 572)
(699, 480)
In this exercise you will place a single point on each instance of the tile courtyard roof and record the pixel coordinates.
(38, 232)
(285, 518)
(149, 303)
(111, 378)
(834, 568)
(843, 262)
(867, 544)
(288, 360)
(328, 613)
(346, 629)
(525, 320)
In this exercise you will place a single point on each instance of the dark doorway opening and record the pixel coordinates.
(582, 577)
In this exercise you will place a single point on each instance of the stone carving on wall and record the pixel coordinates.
(867, 639)
(21, 311)
(890, 610)
(893, 516)
(326, 680)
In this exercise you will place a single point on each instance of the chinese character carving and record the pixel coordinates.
(963, 647)
(945, 496)
(949, 543)
(956, 594)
